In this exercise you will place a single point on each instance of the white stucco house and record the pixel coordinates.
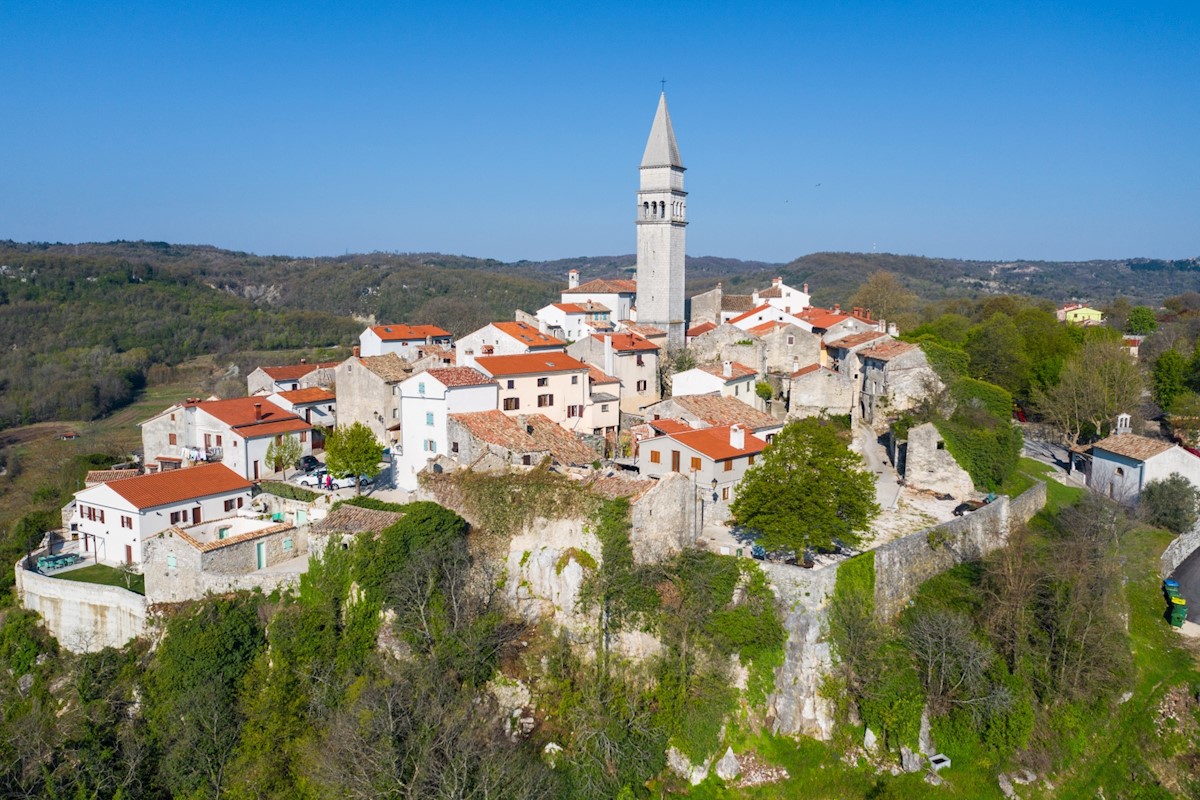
(403, 340)
(505, 339)
(619, 295)
(115, 518)
(573, 321)
(428, 399)
(715, 458)
(1123, 463)
(727, 379)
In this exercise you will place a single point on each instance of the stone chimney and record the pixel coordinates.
(608, 354)
(837, 308)
(356, 351)
(257, 412)
(737, 436)
(573, 279)
(1123, 426)
(776, 282)
(804, 288)
(727, 369)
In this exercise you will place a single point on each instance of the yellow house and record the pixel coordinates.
(1078, 314)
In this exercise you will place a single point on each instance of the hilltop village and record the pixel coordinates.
(745, 495)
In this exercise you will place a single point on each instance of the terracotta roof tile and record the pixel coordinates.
(737, 302)
(806, 370)
(605, 286)
(598, 376)
(295, 372)
(95, 476)
(627, 342)
(714, 443)
(774, 291)
(179, 485)
(529, 364)
(398, 333)
(217, 544)
(352, 519)
(313, 394)
(856, 339)
(886, 351)
(1133, 446)
(243, 414)
(585, 307)
(752, 312)
(703, 327)
(738, 371)
(527, 335)
(644, 330)
(539, 434)
(391, 367)
(717, 410)
(459, 376)
(669, 425)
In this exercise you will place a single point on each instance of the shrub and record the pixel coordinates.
(1172, 503)
(286, 490)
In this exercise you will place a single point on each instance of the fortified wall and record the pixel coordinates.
(901, 567)
(83, 617)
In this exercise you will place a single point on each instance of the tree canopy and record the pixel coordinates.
(1141, 321)
(808, 490)
(353, 450)
(282, 453)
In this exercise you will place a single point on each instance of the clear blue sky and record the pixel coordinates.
(1000, 130)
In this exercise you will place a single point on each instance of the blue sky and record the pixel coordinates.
(998, 130)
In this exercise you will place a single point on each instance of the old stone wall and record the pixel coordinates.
(83, 617)
(1177, 551)
(929, 465)
(729, 343)
(820, 391)
(661, 520)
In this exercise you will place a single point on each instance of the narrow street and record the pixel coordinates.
(887, 490)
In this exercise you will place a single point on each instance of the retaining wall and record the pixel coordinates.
(1178, 550)
(84, 617)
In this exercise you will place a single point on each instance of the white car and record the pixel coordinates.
(317, 480)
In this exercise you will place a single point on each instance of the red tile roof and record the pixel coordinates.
(179, 485)
(752, 312)
(295, 372)
(538, 434)
(605, 286)
(95, 476)
(714, 443)
(806, 370)
(766, 327)
(528, 335)
(703, 327)
(644, 330)
(217, 544)
(459, 376)
(598, 376)
(886, 351)
(1131, 445)
(739, 371)
(669, 425)
(244, 420)
(529, 364)
(313, 394)
(398, 333)
(718, 410)
(389, 366)
(626, 342)
(856, 339)
(586, 307)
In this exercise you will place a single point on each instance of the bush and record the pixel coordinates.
(286, 490)
(988, 449)
(1172, 503)
(973, 393)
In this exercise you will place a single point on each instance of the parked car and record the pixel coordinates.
(317, 480)
(308, 463)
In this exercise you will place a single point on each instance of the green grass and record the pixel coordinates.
(106, 576)
(1029, 472)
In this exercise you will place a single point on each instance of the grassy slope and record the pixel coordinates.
(1126, 744)
(105, 576)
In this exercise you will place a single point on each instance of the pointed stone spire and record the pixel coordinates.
(661, 148)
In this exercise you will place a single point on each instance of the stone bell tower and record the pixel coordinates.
(661, 225)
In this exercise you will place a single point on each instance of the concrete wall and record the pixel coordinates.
(84, 617)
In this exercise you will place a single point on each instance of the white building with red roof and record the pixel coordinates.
(727, 379)
(116, 517)
(266, 380)
(553, 384)
(631, 359)
(784, 297)
(403, 340)
(764, 314)
(318, 406)
(573, 321)
(236, 432)
(428, 399)
(715, 459)
(619, 295)
(505, 339)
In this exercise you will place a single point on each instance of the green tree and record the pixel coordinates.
(997, 352)
(1096, 384)
(807, 490)
(884, 295)
(282, 453)
(353, 450)
(1169, 377)
(1172, 503)
(1141, 321)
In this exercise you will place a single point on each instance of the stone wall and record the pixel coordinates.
(723, 343)
(1178, 550)
(83, 617)
(929, 465)
(661, 520)
(820, 391)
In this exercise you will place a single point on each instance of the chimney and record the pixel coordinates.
(892, 329)
(837, 308)
(356, 351)
(257, 411)
(805, 288)
(737, 436)
(1122, 425)
(304, 361)
(776, 282)
(795, 364)
(608, 354)
(727, 369)
(573, 279)
(429, 339)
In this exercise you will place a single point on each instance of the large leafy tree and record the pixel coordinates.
(808, 490)
(997, 352)
(885, 296)
(1169, 378)
(1141, 321)
(282, 453)
(353, 450)
(1097, 383)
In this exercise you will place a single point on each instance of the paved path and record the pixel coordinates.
(887, 490)
(1188, 575)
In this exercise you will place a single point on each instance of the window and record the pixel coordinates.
(695, 464)
(229, 504)
(737, 390)
(428, 417)
(641, 362)
(239, 502)
(172, 439)
(303, 437)
(287, 544)
(527, 461)
(126, 522)
(171, 560)
(218, 440)
(655, 457)
(510, 384)
(222, 532)
(641, 386)
(728, 465)
(749, 460)
(172, 418)
(421, 388)
(102, 515)
(178, 516)
(574, 411)
(454, 447)
(430, 446)
(512, 403)
(791, 340)
(395, 413)
(604, 407)
(543, 381)
(574, 380)
(545, 400)
(725, 493)
(941, 445)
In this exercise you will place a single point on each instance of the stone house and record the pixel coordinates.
(631, 359)
(841, 354)
(814, 390)
(717, 307)
(925, 463)
(268, 380)
(1123, 463)
(116, 518)
(895, 377)
(727, 343)
(403, 340)
(785, 348)
(236, 432)
(500, 440)
(369, 392)
(428, 399)
(727, 379)
(345, 522)
(187, 562)
(707, 411)
(505, 339)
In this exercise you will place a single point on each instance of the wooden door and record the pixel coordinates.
(674, 461)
